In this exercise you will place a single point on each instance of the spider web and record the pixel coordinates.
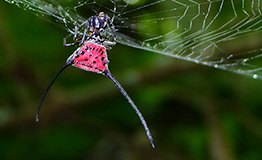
(224, 34)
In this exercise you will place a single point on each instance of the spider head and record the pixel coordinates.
(102, 16)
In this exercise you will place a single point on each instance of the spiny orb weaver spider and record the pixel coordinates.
(91, 56)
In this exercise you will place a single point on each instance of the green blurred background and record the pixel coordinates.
(193, 111)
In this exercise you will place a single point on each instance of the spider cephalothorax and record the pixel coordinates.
(91, 56)
(97, 26)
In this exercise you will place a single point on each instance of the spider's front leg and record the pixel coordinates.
(111, 28)
(69, 44)
(84, 37)
(77, 39)
(85, 31)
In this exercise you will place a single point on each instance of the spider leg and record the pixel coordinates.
(76, 37)
(111, 32)
(84, 37)
(69, 44)
(104, 31)
(112, 29)
(77, 27)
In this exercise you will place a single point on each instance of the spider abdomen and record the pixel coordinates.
(91, 57)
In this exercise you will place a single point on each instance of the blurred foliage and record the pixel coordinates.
(193, 111)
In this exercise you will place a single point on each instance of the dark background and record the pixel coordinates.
(193, 111)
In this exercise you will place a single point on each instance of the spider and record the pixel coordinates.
(91, 56)
(96, 25)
